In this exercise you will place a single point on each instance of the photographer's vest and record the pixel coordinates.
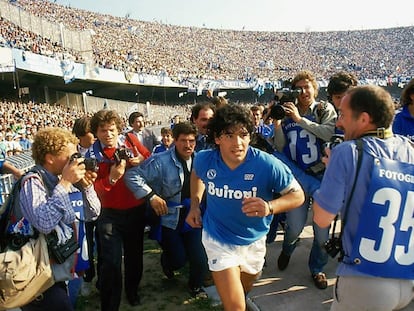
(384, 241)
(302, 146)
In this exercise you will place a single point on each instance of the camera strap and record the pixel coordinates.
(359, 145)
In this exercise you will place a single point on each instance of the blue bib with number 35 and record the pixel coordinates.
(384, 243)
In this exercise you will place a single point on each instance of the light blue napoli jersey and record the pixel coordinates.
(377, 238)
(260, 175)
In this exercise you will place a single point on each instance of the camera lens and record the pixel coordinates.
(277, 112)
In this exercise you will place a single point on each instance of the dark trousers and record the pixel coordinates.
(178, 247)
(92, 238)
(55, 298)
(121, 232)
(278, 219)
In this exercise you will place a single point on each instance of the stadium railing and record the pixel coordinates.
(23, 162)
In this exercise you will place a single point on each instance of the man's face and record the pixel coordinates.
(233, 145)
(60, 160)
(138, 124)
(257, 116)
(107, 134)
(336, 99)
(306, 98)
(201, 122)
(185, 145)
(347, 122)
(167, 139)
(87, 140)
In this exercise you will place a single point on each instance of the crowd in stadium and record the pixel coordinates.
(19, 121)
(136, 46)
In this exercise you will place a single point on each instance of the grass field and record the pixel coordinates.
(156, 291)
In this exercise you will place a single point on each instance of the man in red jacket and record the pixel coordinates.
(121, 223)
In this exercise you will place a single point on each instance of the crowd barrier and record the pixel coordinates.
(23, 162)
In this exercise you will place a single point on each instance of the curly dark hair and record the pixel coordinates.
(103, 117)
(306, 75)
(227, 117)
(340, 82)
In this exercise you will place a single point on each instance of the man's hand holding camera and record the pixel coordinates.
(73, 172)
(117, 171)
(291, 110)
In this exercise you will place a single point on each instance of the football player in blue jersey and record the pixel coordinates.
(239, 183)
(372, 173)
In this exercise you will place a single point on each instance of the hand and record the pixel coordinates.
(291, 110)
(327, 155)
(135, 161)
(88, 180)
(73, 172)
(255, 207)
(159, 205)
(117, 170)
(194, 218)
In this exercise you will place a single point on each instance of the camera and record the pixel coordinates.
(122, 154)
(335, 140)
(91, 164)
(61, 252)
(333, 246)
(282, 96)
(74, 156)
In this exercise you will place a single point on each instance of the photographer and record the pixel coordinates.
(46, 199)
(121, 224)
(300, 134)
(375, 271)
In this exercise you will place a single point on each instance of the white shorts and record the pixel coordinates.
(250, 258)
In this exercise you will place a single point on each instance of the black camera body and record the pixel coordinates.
(333, 246)
(91, 164)
(334, 141)
(61, 252)
(122, 154)
(282, 96)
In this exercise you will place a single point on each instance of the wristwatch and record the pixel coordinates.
(150, 196)
(112, 181)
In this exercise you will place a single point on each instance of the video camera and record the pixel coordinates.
(283, 95)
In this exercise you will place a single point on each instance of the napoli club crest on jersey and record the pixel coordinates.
(211, 174)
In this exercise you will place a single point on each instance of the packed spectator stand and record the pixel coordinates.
(147, 47)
